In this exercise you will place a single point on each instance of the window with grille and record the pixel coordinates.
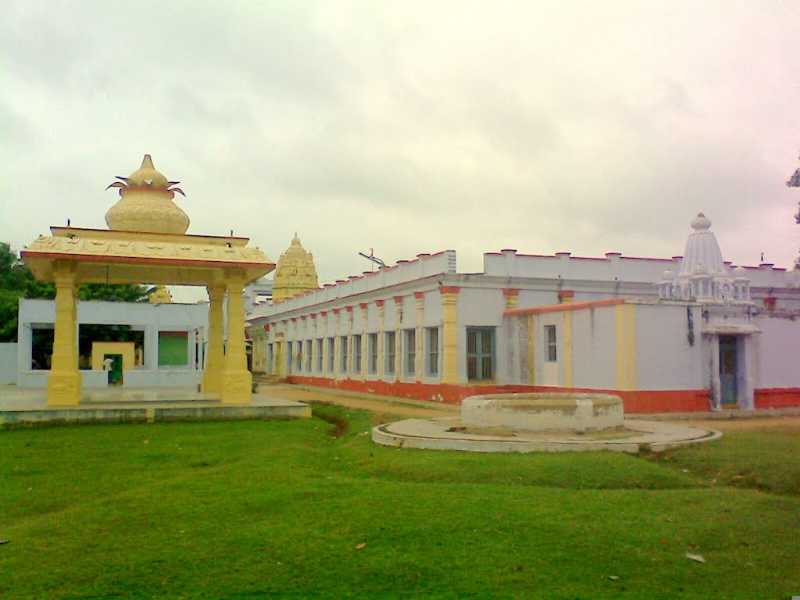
(433, 351)
(389, 352)
(550, 343)
(289, 357)
(331, 348)
(308, 356)
(480, 353)
(410, 350)
(343, 357)
(373, 353)
(357, 354)
(269, 358)
(319, 355)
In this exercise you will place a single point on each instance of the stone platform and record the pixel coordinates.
(451, 433)
(146, 405)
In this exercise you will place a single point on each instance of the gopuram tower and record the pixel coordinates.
(295, 273)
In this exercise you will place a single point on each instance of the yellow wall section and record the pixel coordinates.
(625, 325)
(449, 338)
(126, 349)
(567, 348)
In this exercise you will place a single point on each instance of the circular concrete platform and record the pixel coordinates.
(450, 433)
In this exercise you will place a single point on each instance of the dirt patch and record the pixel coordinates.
(340, 424)
(377, 405)
(750, 424)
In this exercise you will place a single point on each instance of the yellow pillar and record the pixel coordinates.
(449, 334)
(215, 355)
(567, 326)
(625, 326)
(280, 355)
(237, 381)
(64, 381)
(532, 349)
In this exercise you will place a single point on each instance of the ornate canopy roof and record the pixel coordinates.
(158, 252)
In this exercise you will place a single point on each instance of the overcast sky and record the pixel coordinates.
(412, 126)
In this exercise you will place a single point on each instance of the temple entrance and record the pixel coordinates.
(728, 373)
(113, 362)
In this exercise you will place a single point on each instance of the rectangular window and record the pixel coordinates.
(299, 357)
(373, 353)
(357, 354)
(411, 350)
(319, 355)
(331, 348)
(308, 356)
(550, 343)
(389, 352)
(269, 358)
(433, 351)
(480, 353)
(343, 363)
(288, 357)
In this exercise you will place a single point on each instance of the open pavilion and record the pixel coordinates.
(146, 242)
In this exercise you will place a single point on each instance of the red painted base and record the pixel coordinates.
(777, 398)
(637, 401)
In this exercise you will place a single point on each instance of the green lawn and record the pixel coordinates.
(283, 508)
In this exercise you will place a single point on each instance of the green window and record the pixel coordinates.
(173, 349)
(550, 343)
(411, 350)
(373, 353)
(356, 353)
(389, 352)
(480, 353)
(433, 351)
(344, 355)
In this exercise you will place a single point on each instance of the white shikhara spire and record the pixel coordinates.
(703, 275)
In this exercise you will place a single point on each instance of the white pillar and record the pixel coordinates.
(716, 399)
(151, 348)
(24, 347)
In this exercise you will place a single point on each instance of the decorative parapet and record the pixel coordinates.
(425, 265)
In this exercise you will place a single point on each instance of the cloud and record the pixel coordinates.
(411, 127)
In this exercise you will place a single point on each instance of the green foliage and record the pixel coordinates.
(17, 281)
(284, 508)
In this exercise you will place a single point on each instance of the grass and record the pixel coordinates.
(313, 508)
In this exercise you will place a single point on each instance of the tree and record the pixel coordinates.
(17, 281)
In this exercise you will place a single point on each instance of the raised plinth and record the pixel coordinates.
(544, 412)
(543, 422)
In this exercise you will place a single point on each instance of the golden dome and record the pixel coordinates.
(146, 203)
(295, 273)
(160, 295)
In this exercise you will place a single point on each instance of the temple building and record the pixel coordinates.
(687, 333)
(295, 273)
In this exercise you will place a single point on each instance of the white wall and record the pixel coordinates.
(8, 363)
(664, 358)
(777, 352)
(594, 348)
